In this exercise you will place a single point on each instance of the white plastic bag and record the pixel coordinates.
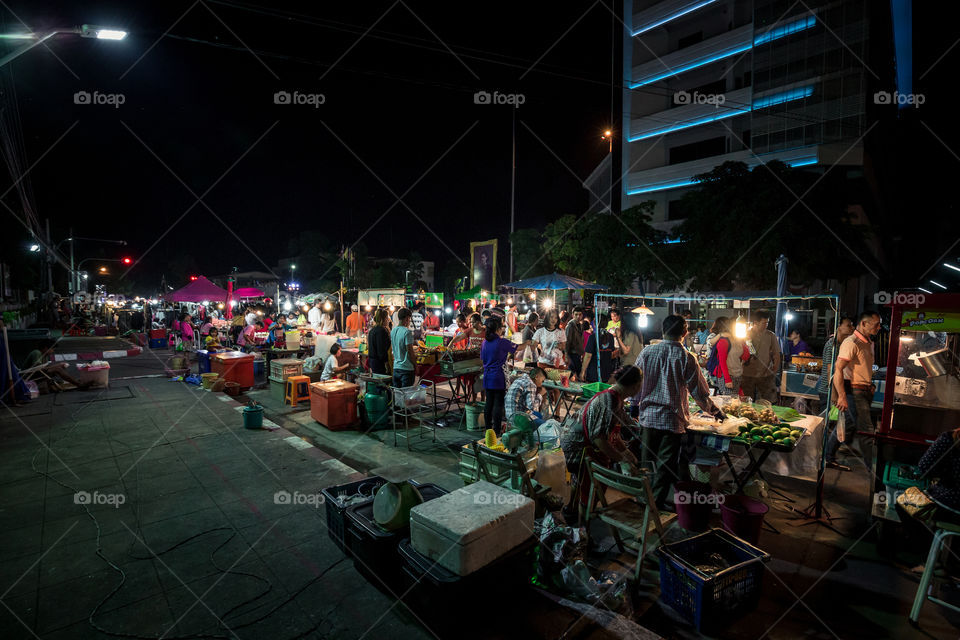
(841, 427)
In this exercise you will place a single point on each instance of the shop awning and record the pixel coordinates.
(554, 282)
(471, 294)
(200, 290)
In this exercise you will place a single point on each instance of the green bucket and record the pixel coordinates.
(474, 411)
(253, 417)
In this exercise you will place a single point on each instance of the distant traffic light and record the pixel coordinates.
(127, 261)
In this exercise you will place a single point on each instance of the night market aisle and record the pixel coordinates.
(168, 470)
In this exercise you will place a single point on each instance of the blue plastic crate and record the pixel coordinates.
(708, 600)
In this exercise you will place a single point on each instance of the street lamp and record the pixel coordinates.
(84, 31)
(34, 248)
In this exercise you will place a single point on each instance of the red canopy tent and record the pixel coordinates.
(200, 290)
(248, 292)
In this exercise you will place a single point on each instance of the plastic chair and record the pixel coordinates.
(943, 531)
(636, 515)
(519, 480)
(297, 389)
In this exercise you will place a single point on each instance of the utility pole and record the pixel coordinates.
(513, 183)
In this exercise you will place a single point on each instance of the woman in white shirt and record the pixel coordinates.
(327, 322)
(550, 339)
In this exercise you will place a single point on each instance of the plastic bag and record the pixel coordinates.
(842, 427)
(548, 434)
(552, 471)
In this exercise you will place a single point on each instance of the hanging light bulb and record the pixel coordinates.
(306, 307)
(740, 327)
(547, 303)
(642, 320)
(327, 306)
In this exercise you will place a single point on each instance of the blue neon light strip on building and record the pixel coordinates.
(693, 123)
(768, 36)
(783, 96)
(692, 65)
(800, 162)
(785, 30)
(673, 17)
(760, 103)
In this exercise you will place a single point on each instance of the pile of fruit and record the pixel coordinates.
(770, 434)
(491, 441)
(751, 413)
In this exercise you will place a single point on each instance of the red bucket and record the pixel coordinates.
(743, 517)
(694, 502)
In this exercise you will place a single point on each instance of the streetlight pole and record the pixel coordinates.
(84, 31)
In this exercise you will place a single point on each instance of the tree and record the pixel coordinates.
(529, 258)
(740, 220)
(614, 250)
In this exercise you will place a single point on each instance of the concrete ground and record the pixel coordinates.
(147, 510)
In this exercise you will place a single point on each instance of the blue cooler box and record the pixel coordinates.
(203, 360)
(158, 343)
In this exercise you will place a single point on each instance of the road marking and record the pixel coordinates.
(339, 466)
(297, 443)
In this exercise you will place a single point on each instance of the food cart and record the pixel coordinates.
(922, 372)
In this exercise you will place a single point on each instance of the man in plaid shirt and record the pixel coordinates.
(525, 394)
(670, 372)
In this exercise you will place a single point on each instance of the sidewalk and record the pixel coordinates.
(70, 348)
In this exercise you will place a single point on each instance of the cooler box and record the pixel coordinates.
(158, 334)
(98, 373)
(158, 343)
(283, 368)
(233, 366)
(334, 404)
(471, 527)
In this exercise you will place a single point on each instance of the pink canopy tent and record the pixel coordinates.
(248, 292)
(200, 290)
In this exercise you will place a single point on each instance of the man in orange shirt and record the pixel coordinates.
(856, 354)
(354, 322)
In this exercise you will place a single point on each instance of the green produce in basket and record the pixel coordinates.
(778, 441)
(767, 431)
(768, 438)
(756, 430)
(756, 438)
(795, 434)
(789, 442)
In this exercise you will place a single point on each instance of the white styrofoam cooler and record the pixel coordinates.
(471, 527)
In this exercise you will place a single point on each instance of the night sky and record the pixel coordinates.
(199, 115)
(397, 102)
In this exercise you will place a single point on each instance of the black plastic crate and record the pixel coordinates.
(429, 585)
(374, 549)
(336, 523)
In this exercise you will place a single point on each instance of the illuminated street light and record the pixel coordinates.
(34, 248)
(84, 31)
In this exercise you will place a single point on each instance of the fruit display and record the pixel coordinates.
(769, 434)
(490, 441)
(762, 415)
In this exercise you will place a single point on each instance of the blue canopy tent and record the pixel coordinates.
(554, 282)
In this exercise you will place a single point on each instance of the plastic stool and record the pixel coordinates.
(943, 530)
(297, 390)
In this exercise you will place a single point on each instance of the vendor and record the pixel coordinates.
(597, 434)
(378, 343)
(670, 373)
(55, 370)
(247, 340)
(608, 344)
(549, 340)
(473, 334)
(494, 353)
(354, 322)
(614, 323)
(797, 344)
(525, 395)
(332, 367)
(856, 356)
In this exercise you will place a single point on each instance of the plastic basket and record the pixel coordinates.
(405, 397)
(903, 476)
(335, 506)
(593, 388)
(708, 600)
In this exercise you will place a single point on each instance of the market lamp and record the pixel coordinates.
(740, 327)
(327, 306)
(287, 306)
(547, 303)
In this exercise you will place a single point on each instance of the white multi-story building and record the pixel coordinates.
(708, 81)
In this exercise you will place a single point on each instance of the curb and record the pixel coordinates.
(97, 355)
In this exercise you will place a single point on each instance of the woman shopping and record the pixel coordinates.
(494, 353)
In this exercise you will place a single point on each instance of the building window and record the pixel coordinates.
(697, 150)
